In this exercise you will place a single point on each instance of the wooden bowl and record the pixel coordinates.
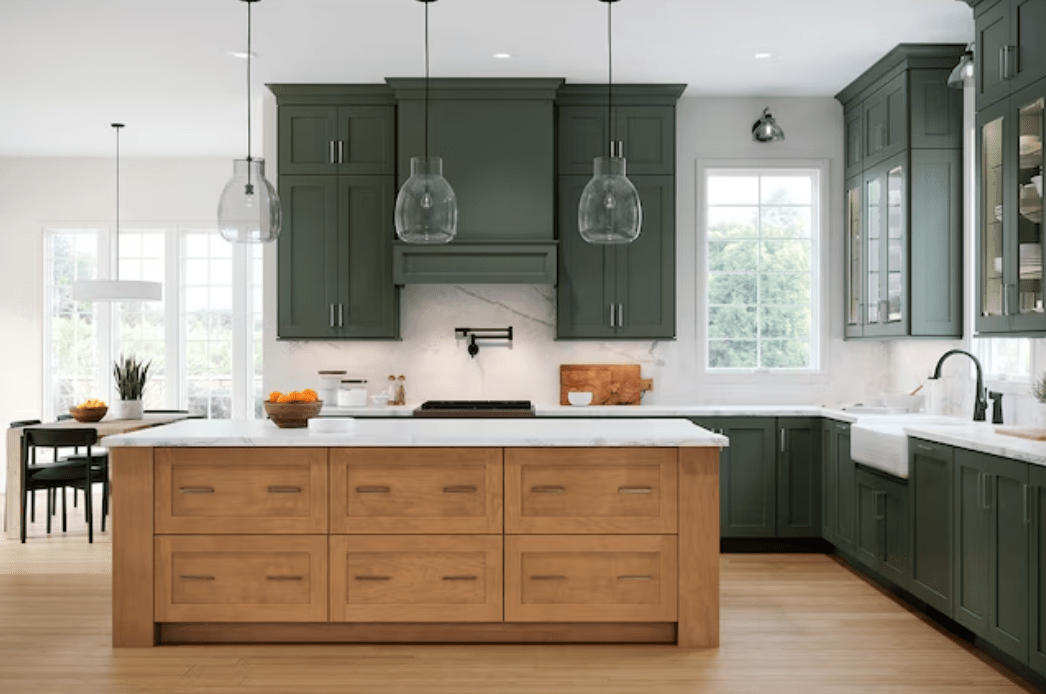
(292, 415)
(88, 414)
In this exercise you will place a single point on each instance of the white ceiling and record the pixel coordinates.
(70, 67)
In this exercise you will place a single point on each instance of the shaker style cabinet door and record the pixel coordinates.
(748, 477)
(798, 478)
(308, 140)
(587, 291)
(932, 537)
(358, 140)
(646, 135)
(1036, 510)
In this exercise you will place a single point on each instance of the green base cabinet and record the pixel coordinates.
(930, 470)
(798, 478)
(1037, 565)
(838, 485)
(881, 536)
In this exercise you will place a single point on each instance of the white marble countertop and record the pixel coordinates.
(983, 437)
(545, 410)
(428, 432)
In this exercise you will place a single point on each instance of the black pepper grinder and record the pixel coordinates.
(401, 390)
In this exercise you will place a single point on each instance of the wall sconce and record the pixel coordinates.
(957, 80)
(483, 334)
(766, 130)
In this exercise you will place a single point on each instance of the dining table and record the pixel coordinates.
(106, 426)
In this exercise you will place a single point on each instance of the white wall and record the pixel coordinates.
(437, 366)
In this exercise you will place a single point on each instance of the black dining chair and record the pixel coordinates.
(79, 472)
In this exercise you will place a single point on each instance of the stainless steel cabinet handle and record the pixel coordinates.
(613, 146)
(373, 490)
(548, 489)
(782, 439)
(989, 486)
(548, 578)
(1027, 504)
(634, 490)
(612, 315)
(283, 489)
(196, 490)
(923, 447)
(341, 315)
(460, 489)
(197, 578)
(332, 315)
(373, 578)
(620, 316)
(635, 578)
(332, 152)
(980, 490)
(461, 578)
(284, 578)
(341, 152)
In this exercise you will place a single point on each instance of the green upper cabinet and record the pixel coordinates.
(645, 135)
(1011, 48)
(903, 149)
(1036, 511)
(337, 139)
(626, 291)
(930, 483)
(1010, 238)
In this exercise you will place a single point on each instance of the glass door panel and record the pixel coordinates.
(992, 287)
(895, 245)
(872, 280)
(1029, 217)
(853, 234)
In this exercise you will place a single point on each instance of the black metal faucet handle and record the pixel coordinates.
(996, 399)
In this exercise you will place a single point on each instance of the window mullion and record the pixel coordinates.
(240, 339)
(177, 396)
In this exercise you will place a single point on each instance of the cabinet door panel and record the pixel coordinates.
(993, 235)
(936, 111)
(972, 542)
(1008, 626)
(308, 258)
(1037, 569)
(854, 140)
(993, 35)
(367, 137)
(845, 492)
(747, 478)
(886, 121)
(937, 242)
(799, 479)
(868, 540)
(896, 528)
(307, 140)
(1029, 39)
(645, 275)
(648, 136)
(367, 297)
(585, 292)
(828, 473)
(583, 135)
(855, 268)
(931, 488)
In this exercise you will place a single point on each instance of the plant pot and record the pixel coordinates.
(127, 409)
(1039, 412)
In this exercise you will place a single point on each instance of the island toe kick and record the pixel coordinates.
(415, 545)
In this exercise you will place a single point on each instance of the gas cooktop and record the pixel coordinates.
(475, 408)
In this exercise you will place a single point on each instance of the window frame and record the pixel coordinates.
(820, 300)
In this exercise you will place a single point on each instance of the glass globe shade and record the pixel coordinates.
(249, 208)
(426, 208)
(610, 211)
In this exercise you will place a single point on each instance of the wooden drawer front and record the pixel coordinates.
(248, 578)
(416, 490)
(241, 490)
(449, 578)
(586, 490)
(560, 578)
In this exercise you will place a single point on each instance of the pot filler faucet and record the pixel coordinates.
(980, 404)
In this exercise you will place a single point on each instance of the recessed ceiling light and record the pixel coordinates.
(764, 55)
(502, 56)
(241, 54)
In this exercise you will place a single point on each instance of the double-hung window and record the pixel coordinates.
(761, 254)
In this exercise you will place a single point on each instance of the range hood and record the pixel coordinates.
(498, 144)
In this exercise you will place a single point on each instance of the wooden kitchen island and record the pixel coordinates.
(434, 530)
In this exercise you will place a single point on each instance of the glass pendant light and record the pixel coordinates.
(610, 211)
(116, 289)
(249, 208)
(426, 209)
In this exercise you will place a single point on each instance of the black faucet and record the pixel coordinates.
(980, 404)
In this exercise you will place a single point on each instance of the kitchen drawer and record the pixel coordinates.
(416, 490)
(590, 490)
(241, 490)
(416, 578)
(242, 578)
(605, 578)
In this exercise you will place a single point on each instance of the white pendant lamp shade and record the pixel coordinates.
(249, 209)
(610, 211)
(426, 207)
(116, 289)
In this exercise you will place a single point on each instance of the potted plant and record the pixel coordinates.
(130, 376)
(1038, 389)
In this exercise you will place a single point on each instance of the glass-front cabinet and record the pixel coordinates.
(854, 254)
(1010, 227)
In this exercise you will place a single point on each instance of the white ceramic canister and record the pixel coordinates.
(329, 382)
(352, 392)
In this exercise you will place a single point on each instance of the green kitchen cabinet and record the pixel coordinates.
(993, 533)
(882, 526)
(798, 477)
(903, 206)
(930, 489)
(838, 486)
(1035, 508)
(1011, 47)
(618, 292)
(316, 139)
(335, 258)
(1009, 231)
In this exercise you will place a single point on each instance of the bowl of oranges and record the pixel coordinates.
(292, 410)
(89, 410)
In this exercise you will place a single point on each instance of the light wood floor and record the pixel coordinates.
(790, 623)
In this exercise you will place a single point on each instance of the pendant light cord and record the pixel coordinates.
(249, 3)
(426, 79)
(610, 77)
(116, 238)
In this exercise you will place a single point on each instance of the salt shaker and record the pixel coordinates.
(390, 390)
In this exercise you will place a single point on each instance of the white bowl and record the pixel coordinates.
(579, 398)
(379, 400)
(910, 403)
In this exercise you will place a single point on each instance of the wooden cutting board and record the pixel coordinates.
(610, 384)
(1033, 433)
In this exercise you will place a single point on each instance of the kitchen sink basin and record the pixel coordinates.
(880, 441)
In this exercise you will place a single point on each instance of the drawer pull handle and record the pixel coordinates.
(923, 447)
(197, 578)
(284, 578)
(634, 490)
(461, 578)
(635, 578)
(282, 489)
(548, 578)
(196, 490)
(374, 578)
(460, 489)
(548, 489)
(372, 490)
